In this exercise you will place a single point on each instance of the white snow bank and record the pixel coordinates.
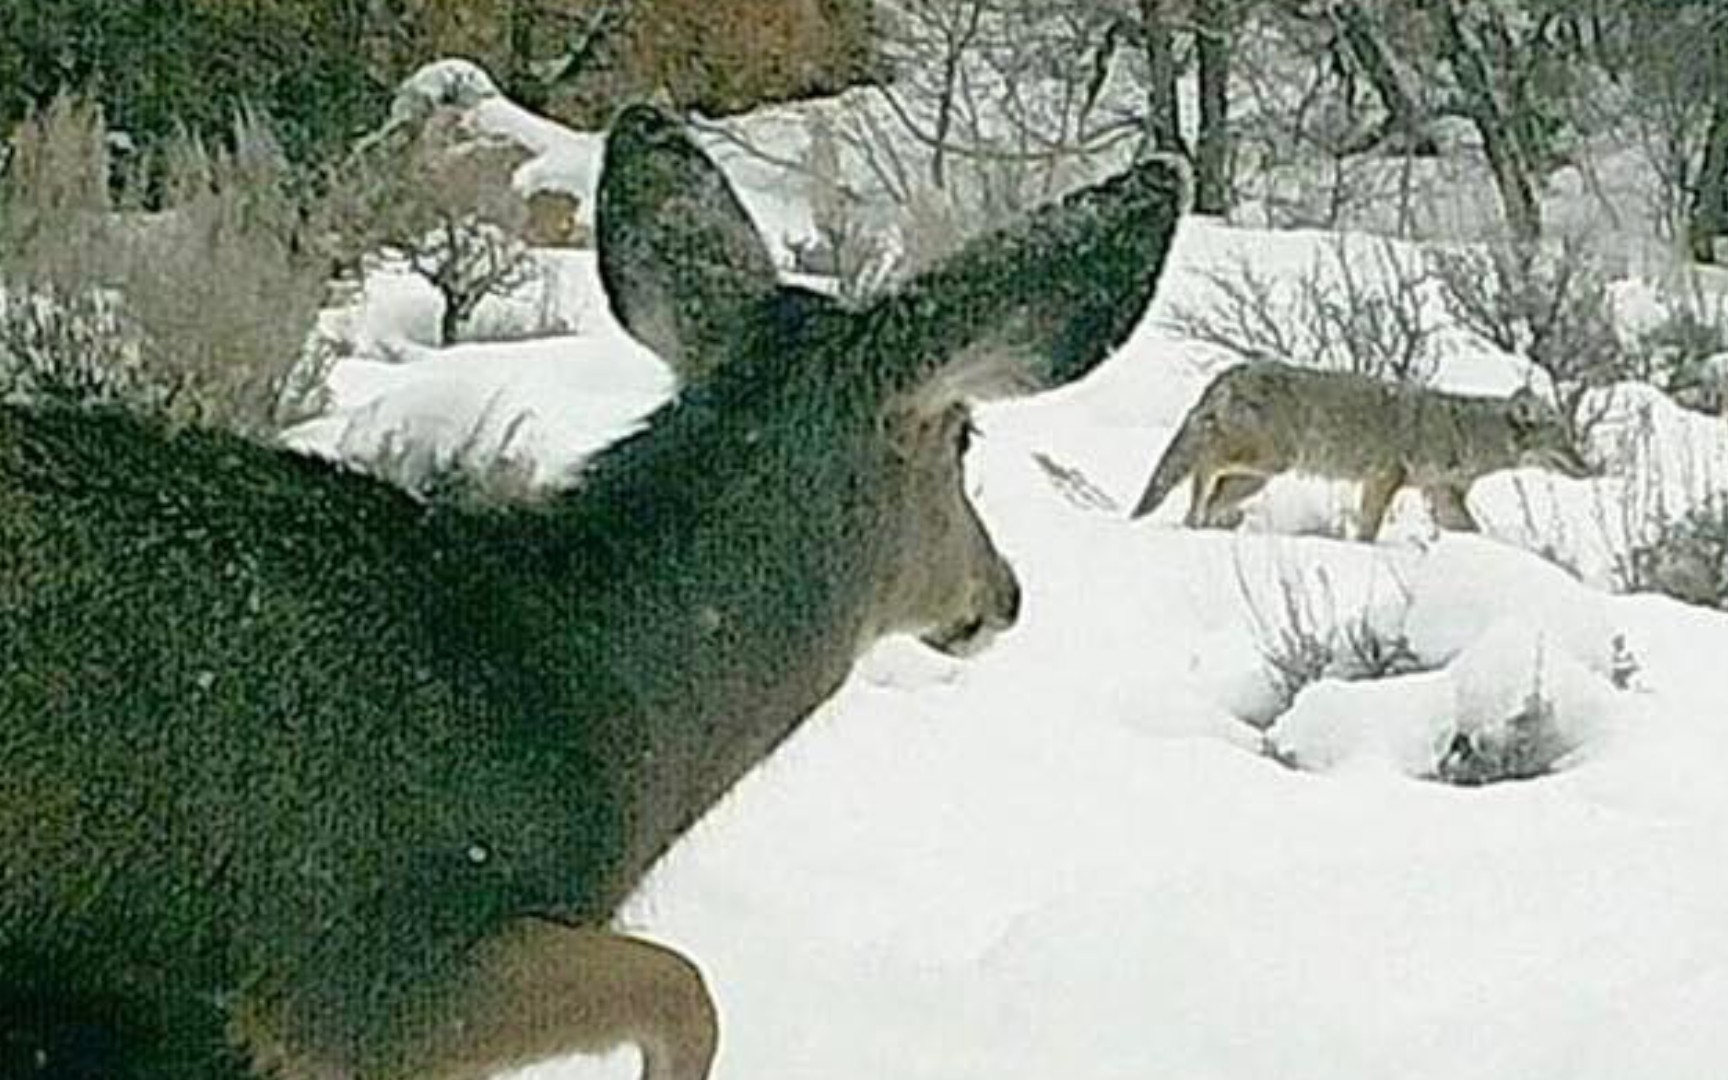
(562, 159)
(1405, 723)
(1466, 584)
(452, 81)
(555, 401)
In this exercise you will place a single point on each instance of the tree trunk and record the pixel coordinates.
(1508, 157)
(1214, 41)
(1163, 108)
(519, 41)
(1407, 118)
(1708, 221)
(959, 39)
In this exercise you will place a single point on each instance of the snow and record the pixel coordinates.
(1466, 585)
(1112, 846)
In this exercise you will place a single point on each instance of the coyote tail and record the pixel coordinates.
(1177, 463)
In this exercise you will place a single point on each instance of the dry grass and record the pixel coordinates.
(202, 311)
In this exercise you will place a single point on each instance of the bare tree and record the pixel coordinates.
(1708, 223)
(1362, 36)
(1486, 60)
(1216, 22)
(1163, 107)
(438, 196)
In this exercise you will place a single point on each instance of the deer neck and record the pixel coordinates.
(706, 634)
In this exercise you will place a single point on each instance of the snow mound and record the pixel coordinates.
(1466, 584)
(1403, 723)
(561, 159)
(455, 82)
(1522, 706)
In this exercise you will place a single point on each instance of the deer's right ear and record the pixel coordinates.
(680, 258)
(1040, 302)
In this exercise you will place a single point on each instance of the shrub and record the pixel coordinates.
(439, 198)
(54, 195)
(1686, 352)
(1370, 316)
(1549, 305)
(1686, 557)
(68, 349)
(202, 312)
(1304, 635)
(1524, 747)
(484, 468)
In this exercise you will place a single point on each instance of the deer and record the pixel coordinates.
(307, 779)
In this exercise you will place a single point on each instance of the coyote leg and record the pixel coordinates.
(542, 990)
(1450, 511)
(1200, 490)
(1377, 492)
(1229, 492)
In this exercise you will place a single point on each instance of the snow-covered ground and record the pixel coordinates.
(1111, 846)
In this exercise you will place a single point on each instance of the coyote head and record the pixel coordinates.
(1543, 438)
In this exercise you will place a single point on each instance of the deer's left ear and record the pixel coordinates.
(680, 258)
(1041, 302)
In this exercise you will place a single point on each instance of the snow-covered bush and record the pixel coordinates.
(1493, 686)
(1510, 708)
(1686, 351)
(1521, 705)
(1305, 633)
(1687, 557)
(1662, 522)
(484, 465)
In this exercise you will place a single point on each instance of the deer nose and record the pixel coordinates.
(997, 609)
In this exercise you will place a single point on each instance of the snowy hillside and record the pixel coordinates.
(1106, 848)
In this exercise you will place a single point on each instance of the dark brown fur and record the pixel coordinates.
(302, 775)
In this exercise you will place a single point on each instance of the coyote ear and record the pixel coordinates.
(1043, 301)
(679, 256)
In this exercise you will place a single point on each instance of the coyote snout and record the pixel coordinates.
(1261, 419)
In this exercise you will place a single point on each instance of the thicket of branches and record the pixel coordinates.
(1000, 101)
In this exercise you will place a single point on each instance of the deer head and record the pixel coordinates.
(1021, 310)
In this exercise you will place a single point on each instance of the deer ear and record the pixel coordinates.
(1041, 302)
(679, 256)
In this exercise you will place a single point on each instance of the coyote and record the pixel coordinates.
(300, 778)
(1261, 419)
